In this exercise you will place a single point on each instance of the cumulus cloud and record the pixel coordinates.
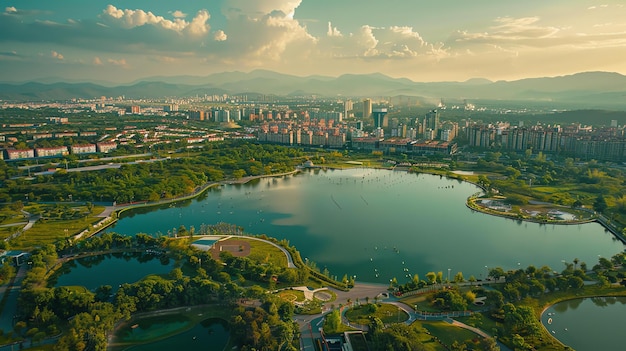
(268, 34)
(257, 9)
(333, 31)
(135, 18)
(57, 55)
(263, 30)
(128, 18)
(378, 42)
(198, 25)
(220, 35)
(179, 14)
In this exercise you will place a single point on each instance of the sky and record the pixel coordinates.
(425, 41)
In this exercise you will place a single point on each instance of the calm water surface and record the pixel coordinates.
(588, 324)
(95, 271)
(210, 335)
(379, 224)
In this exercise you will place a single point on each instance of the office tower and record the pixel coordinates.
(380, 117)
(347, 107)
(367, 108)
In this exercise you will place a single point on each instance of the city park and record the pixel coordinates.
(490, 304)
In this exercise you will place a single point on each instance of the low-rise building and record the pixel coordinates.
(13, 154)
(106, 147)
(51, 151)
(83, 149)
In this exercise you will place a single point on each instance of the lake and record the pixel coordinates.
(209, 335)
(95, 271)
(588, 324)
(380, 224)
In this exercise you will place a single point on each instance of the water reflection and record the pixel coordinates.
(588, 324)
(94, 271)
(423, 215)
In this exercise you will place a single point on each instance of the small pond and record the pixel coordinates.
(110, 269)
(588, 324)
(209, 335)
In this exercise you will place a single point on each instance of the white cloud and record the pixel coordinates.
(522, 28)
(96, 61)
(57, 55)
(179, 14)
(135, 18)
(119, 62)
(378, 42)
(263, 31)
(257, 9)
(10, 9)
(198, 25)
(220, 35)
(333, 31)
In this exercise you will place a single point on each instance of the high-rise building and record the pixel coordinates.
(431, 124)
(380, 117)
(367, 108)
(347, 107)
(198, 115)
(432, 120)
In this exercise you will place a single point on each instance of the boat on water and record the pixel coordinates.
(549, 320)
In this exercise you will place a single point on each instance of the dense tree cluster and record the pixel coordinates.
(599, 186)
(396, 337)
(152, 181)
(268, 327)
(196, 279)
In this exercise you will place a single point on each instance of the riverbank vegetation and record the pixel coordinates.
(85, 317)
(161, 178)
(523, 182)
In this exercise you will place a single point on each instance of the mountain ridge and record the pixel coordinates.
(594, 88)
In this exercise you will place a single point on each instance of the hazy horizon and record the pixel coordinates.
(424, 41)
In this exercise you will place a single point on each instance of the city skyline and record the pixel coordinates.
(423, 41)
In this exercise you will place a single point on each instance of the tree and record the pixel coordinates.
(518, 342)
(333, 322)
(432, 277)
(458, 278)
(600, 204)
(239, 173)
(489, 344)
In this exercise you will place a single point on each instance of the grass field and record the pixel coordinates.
(50, 231)
(291, 295)
(5, 232)
(387, 313)
(446, 332)
(266, 253)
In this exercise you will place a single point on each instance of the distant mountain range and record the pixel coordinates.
(587, 89)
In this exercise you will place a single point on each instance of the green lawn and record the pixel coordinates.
(50, 231)
(46, 232)
(291, 295)
(446, 332)
(387, 313)
(266, 253)
(5, 232)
